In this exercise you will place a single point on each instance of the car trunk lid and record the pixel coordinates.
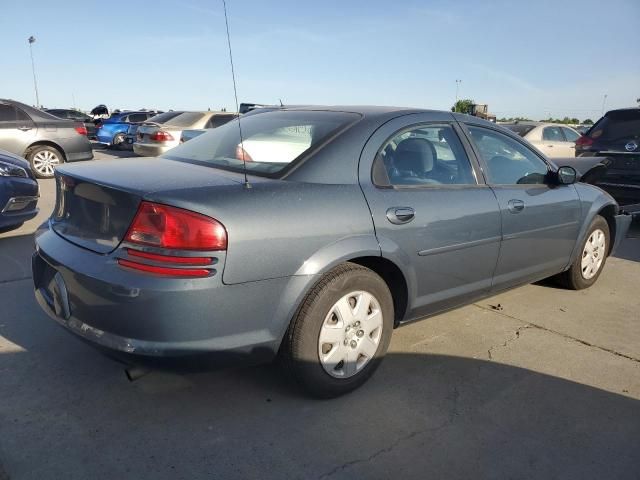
(96, 203)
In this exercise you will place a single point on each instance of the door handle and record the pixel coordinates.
(515, 206)
(24, 129)
(550, 146)
(400, 215)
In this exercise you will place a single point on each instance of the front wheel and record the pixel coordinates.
(591, 258)
(341, 331)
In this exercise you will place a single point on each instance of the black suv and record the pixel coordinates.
(616, 136)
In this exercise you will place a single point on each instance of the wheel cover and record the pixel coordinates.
(593, 254)
(350, 334)
(45, 161)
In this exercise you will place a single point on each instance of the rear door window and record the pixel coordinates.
(424, 155)
(218, 120)
(552, 134)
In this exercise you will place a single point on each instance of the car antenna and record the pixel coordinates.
(235, 94)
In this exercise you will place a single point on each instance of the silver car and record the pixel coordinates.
(553, 139)
(157, 136)
(44, 140)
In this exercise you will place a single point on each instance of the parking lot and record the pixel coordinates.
(537, 382)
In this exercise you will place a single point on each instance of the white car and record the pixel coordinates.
(155, 136)
(552, 139)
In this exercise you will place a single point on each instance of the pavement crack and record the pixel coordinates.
(516, 336)
(454, 412)
(550, 330)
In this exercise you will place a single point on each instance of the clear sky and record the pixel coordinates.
(533, 58)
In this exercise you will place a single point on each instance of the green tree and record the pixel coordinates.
(588, 121)
(463, 106)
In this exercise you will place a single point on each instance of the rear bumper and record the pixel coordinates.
(146, 150)
(77, 148)
(145, 317)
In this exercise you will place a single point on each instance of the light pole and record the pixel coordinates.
(458, 82)
(604, 100)
(31, 41)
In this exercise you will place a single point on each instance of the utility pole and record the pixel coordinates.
(458, 82)
(604, 100)
(31, 41)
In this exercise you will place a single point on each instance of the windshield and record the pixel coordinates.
(521, 130)
(271, 141)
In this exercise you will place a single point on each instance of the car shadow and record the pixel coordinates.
(68, 412)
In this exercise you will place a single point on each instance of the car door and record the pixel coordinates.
(540, 218)
(553, 143)
(432, 212)
(17, 130)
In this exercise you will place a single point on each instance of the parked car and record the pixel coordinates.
(132, 131)
(44, 140)
(616, 136)
(112, 131)
(552, 139)
(315, 255)
(76, 116)
(161, 136)
(19, 192)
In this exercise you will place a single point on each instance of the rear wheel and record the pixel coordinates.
(590, 261)
(44, 159)
(341, 332)
(118, 140)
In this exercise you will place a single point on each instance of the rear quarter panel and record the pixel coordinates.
(281, 228)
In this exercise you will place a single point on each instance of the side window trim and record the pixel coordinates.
(469, 153)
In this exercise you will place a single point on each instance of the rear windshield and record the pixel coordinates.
(185, 119)
(163, 117)
(271, 141)
(617, 125)
(521, 130)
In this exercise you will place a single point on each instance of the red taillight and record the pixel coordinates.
(161, 136)
(81, 129)
(175, 228)
(242, 155)
(584, 141)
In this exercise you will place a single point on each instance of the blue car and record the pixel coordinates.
(113, 130)
(18, 192)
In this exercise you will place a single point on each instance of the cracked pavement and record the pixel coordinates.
(548, 386)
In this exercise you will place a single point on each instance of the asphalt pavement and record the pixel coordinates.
(538, 382)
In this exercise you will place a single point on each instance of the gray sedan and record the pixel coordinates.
(311, 237)
(44, 140)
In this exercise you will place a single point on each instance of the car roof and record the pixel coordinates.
(35, 113)
(629, 109)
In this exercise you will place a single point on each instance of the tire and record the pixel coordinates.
(43, 160)
(591, 258)
(329, 349)
(118, 140)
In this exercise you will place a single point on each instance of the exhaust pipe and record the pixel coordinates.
(134, 373)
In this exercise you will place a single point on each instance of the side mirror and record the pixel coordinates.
(567, 175)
